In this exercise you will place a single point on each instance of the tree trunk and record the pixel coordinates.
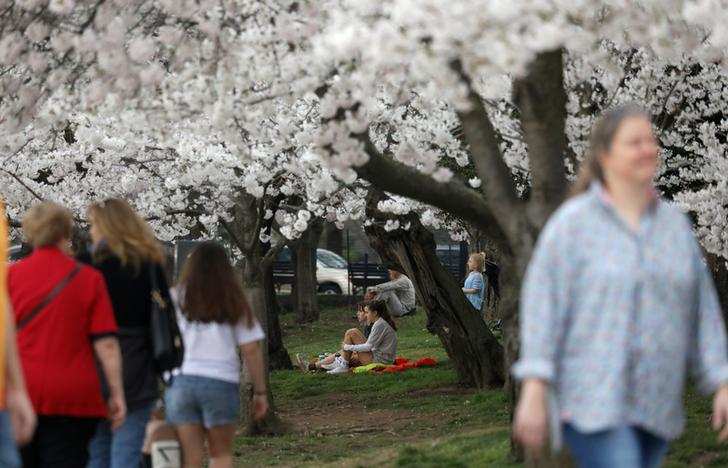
(333, 238)
(278, 357)
(305, 291)
(271, 424)
(245, 230)
(476, 353)
(718, 268)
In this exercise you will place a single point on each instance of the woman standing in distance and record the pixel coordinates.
(126, 252)
(611, 325)
(216, 323)
(474, 287)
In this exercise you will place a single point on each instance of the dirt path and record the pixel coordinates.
(343, 415)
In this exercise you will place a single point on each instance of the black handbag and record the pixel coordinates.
(167, 345)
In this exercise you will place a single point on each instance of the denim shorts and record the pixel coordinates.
(210, 402)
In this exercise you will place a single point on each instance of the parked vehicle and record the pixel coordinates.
(331, 271)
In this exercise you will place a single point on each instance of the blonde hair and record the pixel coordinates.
(479, 260)
(126, 235)
(46, 224)
(600, 141)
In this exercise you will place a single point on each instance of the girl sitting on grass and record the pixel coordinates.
(357, 350)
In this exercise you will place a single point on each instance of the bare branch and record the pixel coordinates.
(239, 243)
(271, 255)
(20, 181)
(498, 184)
(453, 197)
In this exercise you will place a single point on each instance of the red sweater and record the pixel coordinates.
(56, 346)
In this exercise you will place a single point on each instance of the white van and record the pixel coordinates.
(332, 273)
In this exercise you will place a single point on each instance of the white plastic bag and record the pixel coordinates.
(166, 454)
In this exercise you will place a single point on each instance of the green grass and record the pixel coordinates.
(419, 418)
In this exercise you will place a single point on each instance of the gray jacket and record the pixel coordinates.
(382, 343)
(402, 287)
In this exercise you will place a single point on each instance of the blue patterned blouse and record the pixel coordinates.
(475, 281)
(614, 318)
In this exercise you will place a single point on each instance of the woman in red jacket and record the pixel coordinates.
(64, 317)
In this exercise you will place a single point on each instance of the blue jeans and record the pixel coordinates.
(9, 456)
(121, 448)
(623, 447)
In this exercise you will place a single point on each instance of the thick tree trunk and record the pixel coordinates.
(476, 353)
(278, 357)
(305, 291)
(245, 229)
(271, 424)
(333, 238)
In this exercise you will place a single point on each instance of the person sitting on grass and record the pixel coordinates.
(398, 294)
(327, 363)
(380, 347)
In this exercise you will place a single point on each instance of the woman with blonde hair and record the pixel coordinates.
(126, 252)
(474, 287)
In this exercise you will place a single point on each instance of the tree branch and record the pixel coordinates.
(271, 255)
(480, 135)
(541, 99)
(453, 197)
(20, 181)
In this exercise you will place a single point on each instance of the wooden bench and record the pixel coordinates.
(283, 272)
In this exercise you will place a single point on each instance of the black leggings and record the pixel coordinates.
(59, 442)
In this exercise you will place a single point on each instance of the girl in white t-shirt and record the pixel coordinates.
(203, 401)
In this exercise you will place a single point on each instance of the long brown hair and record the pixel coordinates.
(600, 141)
(212, 290)
(126, 235)
(380, 307)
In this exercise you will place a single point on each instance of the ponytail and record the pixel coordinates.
(380, 307)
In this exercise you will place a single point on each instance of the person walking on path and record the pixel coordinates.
(126, 252)
(64, 318)
(610, 325)
(216, 322)
(398, 294)
(474, 287)
(17, 418)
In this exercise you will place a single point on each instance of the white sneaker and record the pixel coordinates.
(337, 362)
(340, 369)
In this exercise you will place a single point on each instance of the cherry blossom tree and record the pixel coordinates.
(478, 109)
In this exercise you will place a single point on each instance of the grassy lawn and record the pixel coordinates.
(419, 418)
